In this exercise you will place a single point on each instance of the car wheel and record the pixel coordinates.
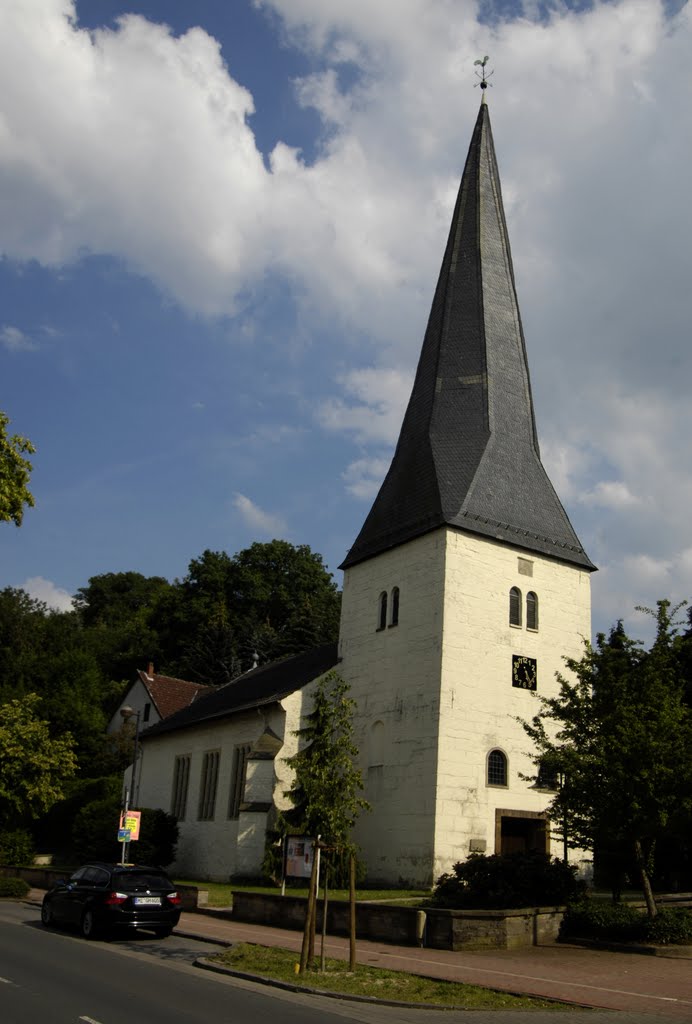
(162, 933)
(47, 915)
(88, 924)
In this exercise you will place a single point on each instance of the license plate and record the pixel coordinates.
(147, 901)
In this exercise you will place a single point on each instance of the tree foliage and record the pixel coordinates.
(274, 599)
(619, 737)
(15, 470)
(95, 831)
(33, 765)
(325, 794)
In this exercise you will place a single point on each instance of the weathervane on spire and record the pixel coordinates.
(481, 74)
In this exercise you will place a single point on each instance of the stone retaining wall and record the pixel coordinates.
(408, 926)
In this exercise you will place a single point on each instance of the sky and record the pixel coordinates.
(221, 226)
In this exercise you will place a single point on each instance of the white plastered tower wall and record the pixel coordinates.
(394, 676)
(479, 706)
(440, 684)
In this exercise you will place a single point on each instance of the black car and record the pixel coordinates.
(108, 897)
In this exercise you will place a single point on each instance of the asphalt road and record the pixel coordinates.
(57, 977)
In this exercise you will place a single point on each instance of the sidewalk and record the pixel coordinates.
(656, 985)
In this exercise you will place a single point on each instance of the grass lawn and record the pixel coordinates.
(220, 894)
(374, 982)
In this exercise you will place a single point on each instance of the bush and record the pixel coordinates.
(591, 919)
(95, 834)
(13, 888)
(95, 831)
(622, 922)
(53, 831)
(506, 881)
(16, 847)
(671, 926)
(158, 838)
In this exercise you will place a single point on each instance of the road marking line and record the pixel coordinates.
(90, 1020)
(6, 981)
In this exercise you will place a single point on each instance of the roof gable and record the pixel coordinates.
(168, 694)
(259, 686)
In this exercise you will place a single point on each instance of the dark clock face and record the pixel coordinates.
(524, 672)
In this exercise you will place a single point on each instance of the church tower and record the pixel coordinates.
(467, 585)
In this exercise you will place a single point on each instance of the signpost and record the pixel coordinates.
(128, 828)
(299, 851)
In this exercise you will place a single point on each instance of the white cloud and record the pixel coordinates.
(374, 406)
(15, 340)
(589, 113)
(610, 494)
(48, 592)
(253, 516)
(364, 476)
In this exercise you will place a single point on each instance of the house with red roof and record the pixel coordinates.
(155, 697)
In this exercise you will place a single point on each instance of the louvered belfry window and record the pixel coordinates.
(515, 607)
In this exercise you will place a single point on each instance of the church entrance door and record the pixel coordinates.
(520, 832)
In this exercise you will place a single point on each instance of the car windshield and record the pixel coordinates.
(133, 881)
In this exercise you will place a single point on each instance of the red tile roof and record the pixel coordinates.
(168, 694)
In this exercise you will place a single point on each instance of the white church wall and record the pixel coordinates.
(208, 849)
(394, 678)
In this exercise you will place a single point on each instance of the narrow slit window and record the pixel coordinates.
(394, 620)
(515, 607)
(531, 610)
(382, 612)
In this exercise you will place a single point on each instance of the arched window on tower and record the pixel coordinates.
(515, 607)
(394, 620)
(382, 611)
(531, 610)
(497, 768)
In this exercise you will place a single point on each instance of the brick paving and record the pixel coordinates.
(656, 985)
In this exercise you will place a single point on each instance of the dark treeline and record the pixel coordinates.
(271, 599)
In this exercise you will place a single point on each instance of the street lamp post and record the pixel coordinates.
(127, 713)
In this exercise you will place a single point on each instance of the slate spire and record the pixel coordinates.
(468, 453)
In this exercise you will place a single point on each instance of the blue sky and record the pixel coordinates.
(222, 225)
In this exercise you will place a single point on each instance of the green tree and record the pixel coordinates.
(117, 611)
(34, 767)
(619, 737)
(15, 471)
(326, 791)
(326, 785)
(286, 592)
(22, 622)
(273, 599)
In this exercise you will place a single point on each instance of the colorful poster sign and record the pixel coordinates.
(299, 854)
(131, 822)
